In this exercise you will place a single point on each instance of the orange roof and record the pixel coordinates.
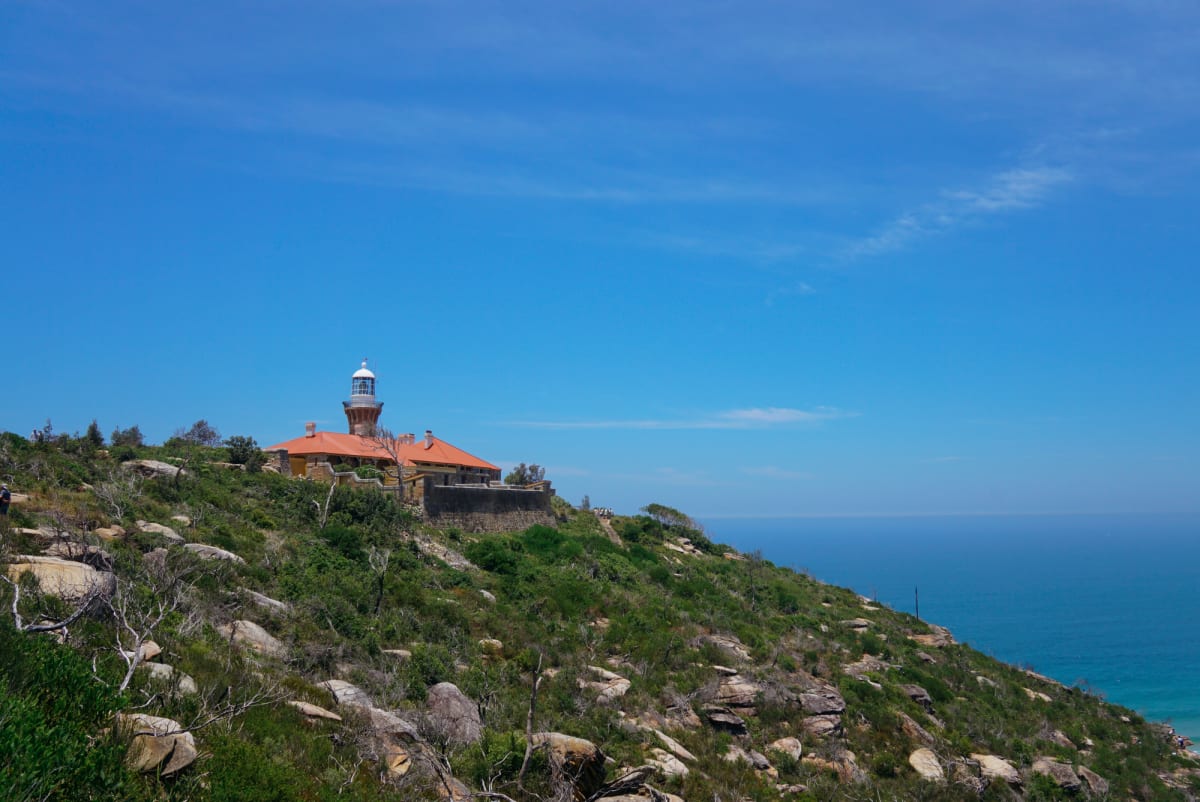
(352, 445)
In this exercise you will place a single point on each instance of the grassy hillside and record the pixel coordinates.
(658, 647)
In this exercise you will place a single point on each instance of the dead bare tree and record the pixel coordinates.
(378, 559)
(141, 603)
(537, 680)
(323, 511)
(119, 492)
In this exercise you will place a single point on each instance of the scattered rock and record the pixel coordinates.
(183, 519)
(344, 693)
(68, 580)
(452, 714)
(85, 553)
(1060, 738)
(937, 637)
(314, 711)
(266, 601)
(982, 680)
(738, 692)
(491, 647)
(667, 763)
(165, 673)
(578, 761)
(1095, 783)
(158, 745)
(918, 695)
(1062, 774)
(673, 746)
(431, 548)
(724, 719)
(488, 596)
(857, 624)
(845, 766)
(153, 467)
(925, 657)
(997, 768)
(926, 764)
(149, 650)
(166, 532)
(823, 726)
(109, 532)
(1032, 694)
(822, 699)
(725, 670)
(253, 637)
(608, 686)
(726, 643)
(869, 664)
(914, 731)
(207, 552)
(788, 746)
(399, 654)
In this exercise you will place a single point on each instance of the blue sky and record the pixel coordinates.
(741, 258)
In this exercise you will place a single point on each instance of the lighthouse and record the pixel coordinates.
(362, 410)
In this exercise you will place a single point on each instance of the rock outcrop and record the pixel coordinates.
(69, 580)
(253, 637)
(926, 764)
(207, 552)
(1062, 774)
(158, 744)
(997, 768)
(452, 715)
(575, 760)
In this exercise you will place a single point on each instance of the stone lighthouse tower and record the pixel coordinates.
(362, 410)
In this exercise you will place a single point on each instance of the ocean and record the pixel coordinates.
(1104, 601)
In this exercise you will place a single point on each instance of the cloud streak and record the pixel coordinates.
(1008, 191)
(750, 418)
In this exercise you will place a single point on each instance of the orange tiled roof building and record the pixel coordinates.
(402, 459)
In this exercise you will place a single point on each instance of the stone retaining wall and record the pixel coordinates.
(479, 509)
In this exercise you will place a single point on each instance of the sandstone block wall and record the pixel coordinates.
(479, 509)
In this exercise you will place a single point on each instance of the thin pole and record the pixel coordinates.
(917, 599)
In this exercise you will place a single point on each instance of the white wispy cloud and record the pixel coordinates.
(1007, 191)
(750, 418)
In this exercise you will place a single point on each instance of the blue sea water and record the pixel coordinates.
(1103, 600)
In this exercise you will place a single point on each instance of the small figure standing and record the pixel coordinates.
(5, 499)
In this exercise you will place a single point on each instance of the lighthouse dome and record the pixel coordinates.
(363, 372)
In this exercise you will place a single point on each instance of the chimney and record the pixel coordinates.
(310, 429)
(428, 438)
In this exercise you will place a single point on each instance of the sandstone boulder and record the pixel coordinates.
(724, 719)
(109, 532)
(918, 695)
(576, 760)
(673, 746)
(161, 672)
(728, 644)
(452, 714)
(937, 637)
(997, 768)
(667, 763)
(148, 650)
(207, 552)
(158, 744)
(314, 711)
(153, 467)
(68, 580)
(346, 694)
(926, 764)
(869, 664)
(1095, 783)
(737, 692)
(253, 637)
(914, 730)
(491, 647)
(86, 553)
(608, 686)
(1060, 738)
(824, 726)
(266, 602)
(166, 532)
(1062, 774)
(788, 746)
